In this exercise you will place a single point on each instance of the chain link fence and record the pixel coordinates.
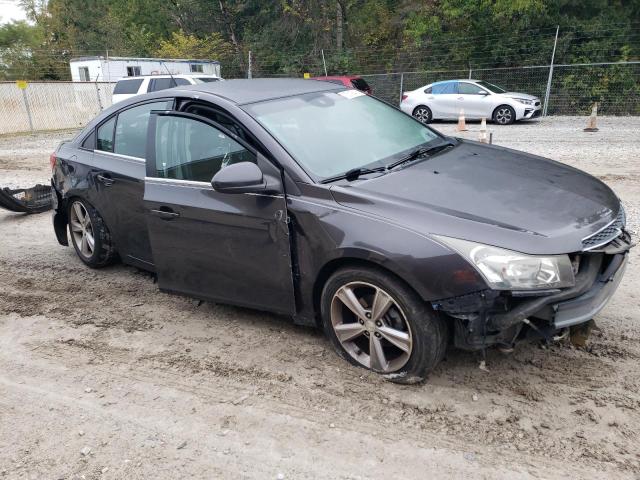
(574, 89)
(51, 105)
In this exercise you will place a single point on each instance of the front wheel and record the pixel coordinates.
(504, 115)
(377, 322)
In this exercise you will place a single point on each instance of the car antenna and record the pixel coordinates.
(175, 84)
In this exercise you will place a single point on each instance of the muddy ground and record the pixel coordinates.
(102, 376)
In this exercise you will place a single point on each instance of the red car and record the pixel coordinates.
(352, 81)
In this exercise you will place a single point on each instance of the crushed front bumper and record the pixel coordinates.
(494, 317)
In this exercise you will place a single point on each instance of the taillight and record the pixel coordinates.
(52, 160)
(404, 97)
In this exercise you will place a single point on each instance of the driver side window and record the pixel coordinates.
(469, 89)
(188, 149)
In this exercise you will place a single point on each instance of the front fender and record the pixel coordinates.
(327, 235)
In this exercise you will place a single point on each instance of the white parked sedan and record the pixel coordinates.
(478, 99)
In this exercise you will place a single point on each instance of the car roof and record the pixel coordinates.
(456, 80)
(166, 75)
(244, 91)
(337, 77)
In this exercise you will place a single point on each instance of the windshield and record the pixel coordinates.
(330, 133)
(491, 87)
(206, 79)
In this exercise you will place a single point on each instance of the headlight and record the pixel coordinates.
(524, 100)
(508, 270)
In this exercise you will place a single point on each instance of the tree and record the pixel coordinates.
(180, 45)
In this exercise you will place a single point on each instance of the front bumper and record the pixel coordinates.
(497, 317)
(533, 112)
(586, 306)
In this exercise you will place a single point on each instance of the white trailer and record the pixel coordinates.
(110, 69)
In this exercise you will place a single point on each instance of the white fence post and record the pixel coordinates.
(324, 63)
(26, 106)
(249, 72)
(548, 92)
(401, 86)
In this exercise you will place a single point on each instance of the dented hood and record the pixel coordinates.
(491, 195)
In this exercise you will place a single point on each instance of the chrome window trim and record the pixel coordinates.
(178, 182)
(195, 184)
(121, 156)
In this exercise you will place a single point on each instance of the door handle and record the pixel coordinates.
(460, 98)
(105, 180)
(165, 213)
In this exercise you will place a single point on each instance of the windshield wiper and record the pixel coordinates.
(353, 174)
(420, 152)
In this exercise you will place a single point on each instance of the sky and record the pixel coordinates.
(10, 10)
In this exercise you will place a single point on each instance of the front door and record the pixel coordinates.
(477, 102)
(232, 248)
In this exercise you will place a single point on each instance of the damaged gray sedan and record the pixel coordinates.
(329, 206)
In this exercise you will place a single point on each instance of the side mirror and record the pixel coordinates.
(243, 177)
(484, 93)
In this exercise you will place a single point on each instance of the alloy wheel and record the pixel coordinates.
(503, 116)
(423, 115)
(82, 229)
(371, 327)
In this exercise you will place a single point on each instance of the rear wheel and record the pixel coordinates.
(504, 115)
(89, 235)
(423, 114)
(376, 322)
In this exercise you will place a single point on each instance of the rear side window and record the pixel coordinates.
(131, 129)
(105, 135)
(207, 79)
(444, 88)
(427, 90)
(188, 149)
(90, 142)
(127, 86)
(360, 84)
(157, 84)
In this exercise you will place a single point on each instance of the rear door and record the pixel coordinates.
(232, 248)
(445, 100)
(118, 177)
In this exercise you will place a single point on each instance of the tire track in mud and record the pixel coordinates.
(222, 382)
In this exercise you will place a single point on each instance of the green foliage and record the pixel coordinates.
(356, 36)
(180, 45)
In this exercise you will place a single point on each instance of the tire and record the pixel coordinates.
(504, 115)
(423, 114)
(89, 235)
(418, 333)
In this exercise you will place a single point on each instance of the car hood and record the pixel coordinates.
(526, 96)
(491, 195)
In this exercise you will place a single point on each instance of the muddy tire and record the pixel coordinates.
(366, 310)
(89, 235)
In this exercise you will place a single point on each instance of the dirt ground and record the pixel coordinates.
(104, 377)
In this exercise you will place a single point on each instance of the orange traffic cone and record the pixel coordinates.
(591, 124)
(483, 131)
(462, 126)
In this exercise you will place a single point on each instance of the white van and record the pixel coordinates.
(129, 86)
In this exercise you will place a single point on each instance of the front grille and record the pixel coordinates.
(605, 235)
